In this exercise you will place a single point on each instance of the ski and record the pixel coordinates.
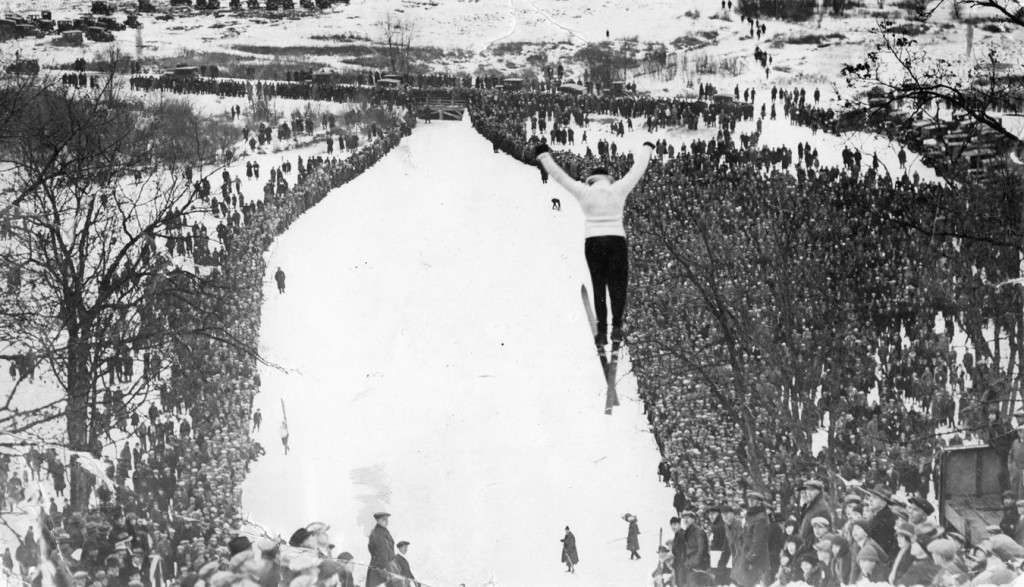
(593, 327)
(612, 398)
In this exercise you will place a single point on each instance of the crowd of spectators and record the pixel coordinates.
(870, 537)
(168, 507)
(885, 428)
(887, 442)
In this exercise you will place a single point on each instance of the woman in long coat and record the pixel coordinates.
(569, 555)
(633, 538)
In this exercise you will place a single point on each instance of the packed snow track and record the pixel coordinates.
(436, 363)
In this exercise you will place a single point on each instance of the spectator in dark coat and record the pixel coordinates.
(694, 560)
(633, 538)
(569, 555)
(922, 571)
(751, 563)
(403, 564)
(882, 524)
(814, 506)
(905, 535)
(382, 552)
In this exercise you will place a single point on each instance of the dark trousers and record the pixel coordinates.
(608, 259)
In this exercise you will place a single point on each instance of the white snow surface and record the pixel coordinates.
(435, 361)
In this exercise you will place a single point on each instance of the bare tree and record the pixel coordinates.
(397, 36)
(94, 208)
(909, 72)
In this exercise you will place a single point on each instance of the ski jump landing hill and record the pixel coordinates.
(435, 362)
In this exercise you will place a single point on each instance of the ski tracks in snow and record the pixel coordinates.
(548, 18)
(515, 25)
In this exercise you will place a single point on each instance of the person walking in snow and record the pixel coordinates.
(279, 277)
(603, 201)
(569, 555)
(556, 204)
(257, 419)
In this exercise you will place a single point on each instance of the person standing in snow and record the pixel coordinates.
(257, 419)
(569, 555)
(382, 552)
(603, 201)
(403, 565)
(633, 537)
(279, 277)
(284, 435)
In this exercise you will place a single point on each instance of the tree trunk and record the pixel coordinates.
(79, 391)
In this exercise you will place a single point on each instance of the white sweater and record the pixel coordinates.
(602, 202)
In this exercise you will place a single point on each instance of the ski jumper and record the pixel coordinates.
(605, 246)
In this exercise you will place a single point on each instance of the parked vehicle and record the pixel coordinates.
(98, 34)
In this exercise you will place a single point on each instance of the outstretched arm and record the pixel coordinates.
(574, 187)
(629, 181)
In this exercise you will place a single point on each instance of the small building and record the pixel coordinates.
(186, 71)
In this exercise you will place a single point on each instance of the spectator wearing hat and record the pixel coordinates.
(869, 568)
(679, 501)
(1001, 553)
(922, 571)
(810, 569)
(944, 553)
(1008, 524)
(825, 575)
(882, 520)
(632, 537)
(321, 538)
(664, 573)
(918, 510)
(345, 574)
(570, 557)
(382, 552)
(853, 508)
(752, 563)
(821, 527)
(813, 505)
(842, 560)
(694, 560)
(789, 562)
(403, 564)
(733, 536)
(861, 540)
(905, 535)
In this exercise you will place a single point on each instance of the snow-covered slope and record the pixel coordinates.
(435, 362)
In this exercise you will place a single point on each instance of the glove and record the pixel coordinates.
(651, 145)
(540, 149)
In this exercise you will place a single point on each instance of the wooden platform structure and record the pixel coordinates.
(969, 490)
(435, 109)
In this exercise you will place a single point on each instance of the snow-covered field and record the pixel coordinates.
(436, 363)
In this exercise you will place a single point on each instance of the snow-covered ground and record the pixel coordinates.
(436, 362)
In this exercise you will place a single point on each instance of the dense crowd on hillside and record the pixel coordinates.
(170, 509)
(891, 441)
